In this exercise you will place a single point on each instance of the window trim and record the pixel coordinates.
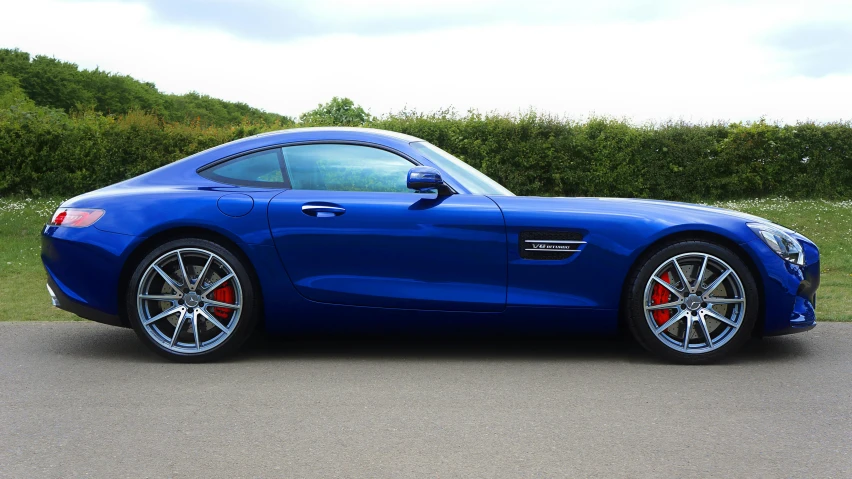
(361, 144)
(286, 184)
(274, 185)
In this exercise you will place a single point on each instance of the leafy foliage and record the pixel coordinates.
(64, 131)
(337, 112)
(46, 151)
(53, 83)
(548, 156)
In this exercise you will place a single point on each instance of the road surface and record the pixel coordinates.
(86, 400)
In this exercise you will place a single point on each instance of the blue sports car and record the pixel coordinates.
(357, 230)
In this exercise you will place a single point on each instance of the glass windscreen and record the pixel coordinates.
(472, 179)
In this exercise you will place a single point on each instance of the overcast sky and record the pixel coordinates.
(644, 60)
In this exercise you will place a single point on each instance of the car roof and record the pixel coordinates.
(189, 165)
(338, 132)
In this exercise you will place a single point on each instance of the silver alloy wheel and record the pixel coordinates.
(174, 301)
(703, 306)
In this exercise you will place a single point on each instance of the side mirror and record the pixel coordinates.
(424, 178)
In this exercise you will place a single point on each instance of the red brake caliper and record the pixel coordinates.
(661, 295)
(223, 294)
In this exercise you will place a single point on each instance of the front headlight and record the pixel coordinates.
(781, 242)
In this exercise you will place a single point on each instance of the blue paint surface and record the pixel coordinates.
(402, 261)
(235, 204)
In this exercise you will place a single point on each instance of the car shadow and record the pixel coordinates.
(119, 344)
(565, 348)
(450, 348)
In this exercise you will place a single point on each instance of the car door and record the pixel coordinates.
(350, 232)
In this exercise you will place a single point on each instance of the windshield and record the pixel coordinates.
(472, 179)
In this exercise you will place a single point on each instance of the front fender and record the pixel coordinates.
(616, 233)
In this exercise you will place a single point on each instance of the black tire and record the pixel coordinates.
(639, 323)
(247, 319)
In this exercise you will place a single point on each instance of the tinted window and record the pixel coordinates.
(345, 168)
(256, 169)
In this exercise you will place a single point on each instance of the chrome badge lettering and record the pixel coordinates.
(561, 247)
(544, 246)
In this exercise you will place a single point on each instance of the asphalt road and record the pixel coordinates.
(85, 400)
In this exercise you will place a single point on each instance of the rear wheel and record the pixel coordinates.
(191, 300)
(692, 302)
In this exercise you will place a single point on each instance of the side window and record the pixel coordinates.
(336, 167)
(256, 169)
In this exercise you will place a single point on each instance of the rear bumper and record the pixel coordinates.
(62, 301)
(83, 267)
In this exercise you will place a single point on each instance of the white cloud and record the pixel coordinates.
(702, 63)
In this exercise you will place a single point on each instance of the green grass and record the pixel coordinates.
(24, 297)
(23, 294)
(829, 225)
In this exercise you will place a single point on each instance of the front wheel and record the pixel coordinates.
(692, 302)
(191, 300)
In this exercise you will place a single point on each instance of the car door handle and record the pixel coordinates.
(322, 211)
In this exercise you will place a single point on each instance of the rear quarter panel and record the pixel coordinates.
(140, 212)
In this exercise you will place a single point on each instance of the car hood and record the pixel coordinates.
(684, 208)
(627, 206)
(549, 212)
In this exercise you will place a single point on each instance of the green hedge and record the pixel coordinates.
(547, 156)
(44, 151)
(47, 152)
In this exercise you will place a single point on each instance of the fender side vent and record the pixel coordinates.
(549, 245)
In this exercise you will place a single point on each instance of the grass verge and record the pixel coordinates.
(24, 297)
(23, 293)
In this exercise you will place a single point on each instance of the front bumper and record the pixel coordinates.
(789, 290)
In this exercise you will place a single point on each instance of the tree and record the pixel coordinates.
(11, 93)
(56, 84)
(337, 112)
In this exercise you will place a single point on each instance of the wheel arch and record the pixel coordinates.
(692, 235)
(182, 232)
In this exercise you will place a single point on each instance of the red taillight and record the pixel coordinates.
(59, 218)
(75, 217)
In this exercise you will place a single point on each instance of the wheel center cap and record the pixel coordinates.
(192, 299)
(692, 302)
